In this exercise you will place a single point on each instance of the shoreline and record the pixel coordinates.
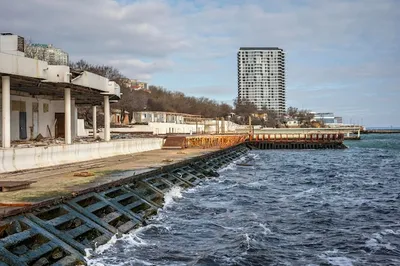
(59, 230)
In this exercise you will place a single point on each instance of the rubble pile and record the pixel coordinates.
(41, 141)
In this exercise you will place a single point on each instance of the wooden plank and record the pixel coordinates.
(6, 186)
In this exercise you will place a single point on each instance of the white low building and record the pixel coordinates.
(164, 117)
(38, 98)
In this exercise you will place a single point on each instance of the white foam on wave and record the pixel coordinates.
(390, 232)
(334, 258)
(340, 261)
(304, 193)
(132, 261)
(106, 246)
(129, 240)
(377, 241)
(247, 239)
(174, 193)
(266, 231)
(231, 166)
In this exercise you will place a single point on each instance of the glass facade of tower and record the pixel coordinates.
(261, 77)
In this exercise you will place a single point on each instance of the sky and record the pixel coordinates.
(342, 56)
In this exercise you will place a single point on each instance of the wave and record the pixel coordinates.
(174, 193)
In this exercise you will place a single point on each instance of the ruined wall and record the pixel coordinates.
(28, 158)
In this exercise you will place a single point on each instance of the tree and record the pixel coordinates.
(225, 110)
(293, 112)
(272, 120)
(304, 118)
(35, 52)
(156, 98)
(244, 107)
(111, 73)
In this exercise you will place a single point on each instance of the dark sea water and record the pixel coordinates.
(310, 207)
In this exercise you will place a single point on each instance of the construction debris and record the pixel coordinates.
(6, 186)
(39, 137)
(84, 174)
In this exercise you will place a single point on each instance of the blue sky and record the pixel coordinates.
(341, 56)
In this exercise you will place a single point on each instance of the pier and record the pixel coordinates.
(261, 140)
(381, 131)
(296, 141)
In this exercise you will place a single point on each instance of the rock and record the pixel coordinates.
(77, 222)
(57, 254)
(41, 262)
(20, 250)
(35, 246)
(85, 242)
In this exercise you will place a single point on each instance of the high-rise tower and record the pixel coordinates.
(261, 77)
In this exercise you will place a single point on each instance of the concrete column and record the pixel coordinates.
(74, 121)
(223, 125)
(216, 125)
(107, 136)
(67, 114)
(6, 112)
(250, 126)
(94, 118)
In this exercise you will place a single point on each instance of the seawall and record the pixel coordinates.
(58, 231)
(17, 159)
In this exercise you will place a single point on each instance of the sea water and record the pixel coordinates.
(288, 207)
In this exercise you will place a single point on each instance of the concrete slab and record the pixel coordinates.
(60, 180)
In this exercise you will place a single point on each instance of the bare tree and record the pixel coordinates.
(156, 98)
(304, 118)
(273, 119)
(34, 51)
(292, 112)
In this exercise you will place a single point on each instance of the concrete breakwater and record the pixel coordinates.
(59, 231)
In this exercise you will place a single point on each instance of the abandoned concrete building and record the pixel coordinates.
(38, 98)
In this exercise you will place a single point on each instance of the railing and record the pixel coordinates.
(209, 141)
(299, 137)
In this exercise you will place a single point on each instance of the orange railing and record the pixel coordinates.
(210, 141)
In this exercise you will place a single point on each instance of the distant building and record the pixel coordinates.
(293, 123)
(261, 77)
(326, 118)
(164, 117)
(116, 116)
(137, 85)
(48, 53)
(338, 120)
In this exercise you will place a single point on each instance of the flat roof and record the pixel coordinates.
(260, 48)
(37, 87)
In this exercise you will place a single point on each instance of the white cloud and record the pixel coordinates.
(139, 69)
(144, 38)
